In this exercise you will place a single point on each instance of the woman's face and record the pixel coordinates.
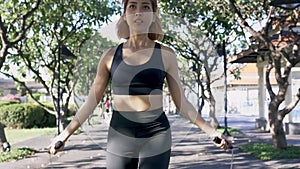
(139, 15)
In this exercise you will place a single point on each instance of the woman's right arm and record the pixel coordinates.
(95, 95)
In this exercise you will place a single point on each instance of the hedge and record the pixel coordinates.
(70, 112)
(26, 115)
(8, 102)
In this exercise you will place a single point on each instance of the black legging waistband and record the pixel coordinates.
(139, 119)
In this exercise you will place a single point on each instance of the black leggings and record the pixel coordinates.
(139, 140)
(160, 161)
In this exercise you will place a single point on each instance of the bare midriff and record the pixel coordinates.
(137, 103)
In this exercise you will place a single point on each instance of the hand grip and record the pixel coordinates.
(58, 145)
(217, 140)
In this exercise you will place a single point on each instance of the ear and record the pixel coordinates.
(124, 17)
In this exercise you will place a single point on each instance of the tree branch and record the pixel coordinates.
(24, 28)
(28, 63)
(268, 83)
(291, 106)
(3, 33)
(242, 22)
(29, 91)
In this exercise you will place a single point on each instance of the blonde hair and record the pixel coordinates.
(155, 30)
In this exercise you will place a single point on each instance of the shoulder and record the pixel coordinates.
(108, 54)
(167, 50)
(107, 57)
(168, 56)
(105, 61)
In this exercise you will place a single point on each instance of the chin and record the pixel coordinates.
(140, 32)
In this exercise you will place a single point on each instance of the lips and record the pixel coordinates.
(138, 21)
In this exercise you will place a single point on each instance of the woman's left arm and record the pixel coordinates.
(180, 100)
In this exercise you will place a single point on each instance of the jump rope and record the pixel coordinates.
(57, 145)
(218, 141)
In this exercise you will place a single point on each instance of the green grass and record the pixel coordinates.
(16, 153)
(265, 151)
(78, 131)
(18, 135)
(230, 130)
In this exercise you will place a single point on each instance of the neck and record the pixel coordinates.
(139, 41)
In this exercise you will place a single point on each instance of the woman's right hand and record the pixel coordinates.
(56, 146)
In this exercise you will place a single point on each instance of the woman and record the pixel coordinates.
(107, 105)
(139, 133)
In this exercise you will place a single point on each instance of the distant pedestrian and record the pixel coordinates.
(107, 105)
(111, 106)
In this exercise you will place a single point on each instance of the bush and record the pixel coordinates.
(8, 102)
(25, 116)
(71, 110)
(37, 96)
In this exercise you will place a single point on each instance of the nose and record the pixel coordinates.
(138, 14)
(139, 11)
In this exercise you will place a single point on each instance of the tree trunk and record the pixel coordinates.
(212, 112)
(276, 127)
(275, 117)
(278, 136)
(200, 98)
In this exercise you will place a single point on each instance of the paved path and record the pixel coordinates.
(192, 149)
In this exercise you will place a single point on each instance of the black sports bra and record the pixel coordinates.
(144, 79)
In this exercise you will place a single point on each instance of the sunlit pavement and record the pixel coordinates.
(192, 149)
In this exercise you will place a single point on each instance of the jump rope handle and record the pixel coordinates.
(217, 140)
(58, 145)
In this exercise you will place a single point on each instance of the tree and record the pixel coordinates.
(200, 53)
(194, 29)
(14, 25)
(90, 51)
(281, 48)
(37, 56)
